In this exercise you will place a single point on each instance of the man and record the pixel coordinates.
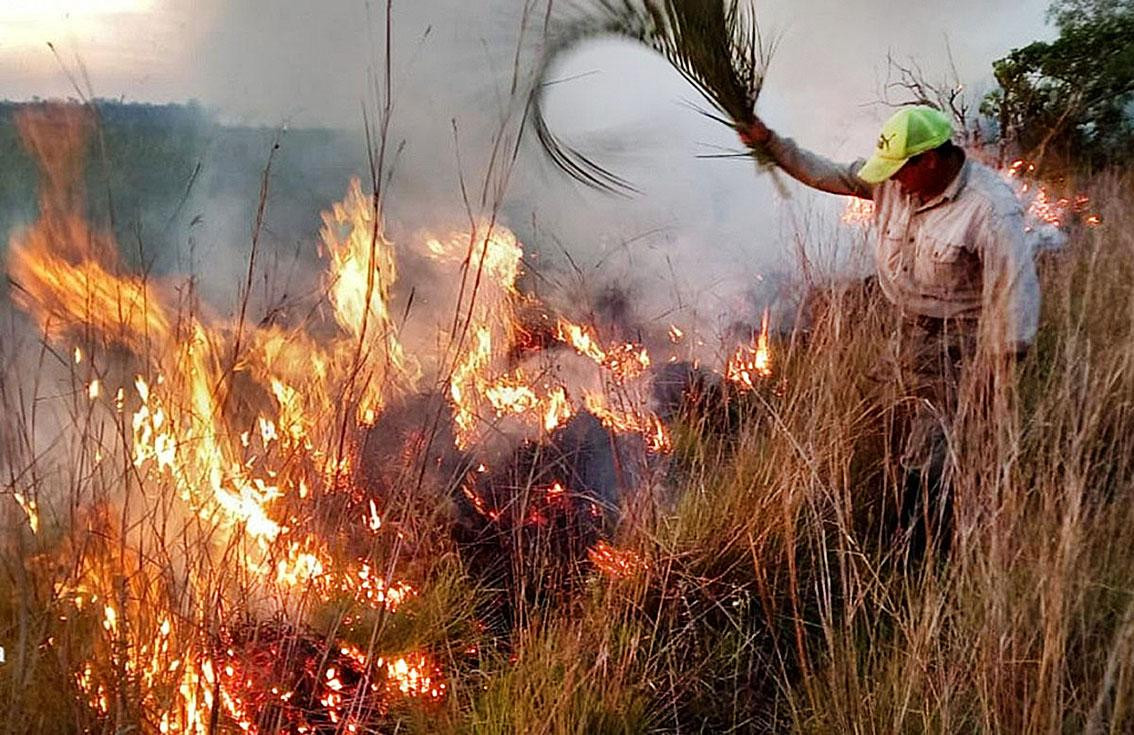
(951, 256)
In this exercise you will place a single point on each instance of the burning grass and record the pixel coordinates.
(210, 477)
(213, 527)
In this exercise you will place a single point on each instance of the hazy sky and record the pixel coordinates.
(269, 59)
(306, 61)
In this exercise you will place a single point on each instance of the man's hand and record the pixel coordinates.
(755, 135)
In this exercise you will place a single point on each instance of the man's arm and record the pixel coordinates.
(1011, 287)
(806, 167)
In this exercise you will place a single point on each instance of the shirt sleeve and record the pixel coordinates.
(817, 172)
(1011, 287)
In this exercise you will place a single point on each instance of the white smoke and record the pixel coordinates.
(701, 242)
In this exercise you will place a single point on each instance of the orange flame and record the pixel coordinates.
(556, 410)
(582, 339)
(184, 446)
(363, 269)
(644, 423)
(624, 362)
(751, 363)
(234, 431)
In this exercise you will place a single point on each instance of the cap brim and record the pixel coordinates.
(878, 169)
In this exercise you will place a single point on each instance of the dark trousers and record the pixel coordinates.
(930, 357)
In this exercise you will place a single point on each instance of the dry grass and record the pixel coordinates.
(775, 598)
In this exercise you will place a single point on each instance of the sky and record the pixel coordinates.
(313, 63)
(269, 60)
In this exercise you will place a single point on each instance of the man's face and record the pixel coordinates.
(920, 174)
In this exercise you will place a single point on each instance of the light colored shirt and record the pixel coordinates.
(963, 255)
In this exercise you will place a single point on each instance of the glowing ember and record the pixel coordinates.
(415, 676)
(479, 505)
(627, 362)
(273, 680)
(616, 563)
(371, 588)
(1042, 206)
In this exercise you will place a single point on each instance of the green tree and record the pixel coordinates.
(1073, 96)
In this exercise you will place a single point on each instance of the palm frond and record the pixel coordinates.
(715, 45)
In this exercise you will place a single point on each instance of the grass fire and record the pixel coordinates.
(377, 467)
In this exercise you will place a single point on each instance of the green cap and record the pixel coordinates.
(908, 132)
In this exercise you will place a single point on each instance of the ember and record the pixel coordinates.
(1042, 207)
(616, 563)
(277, 679)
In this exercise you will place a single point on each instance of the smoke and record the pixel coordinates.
(704, 244)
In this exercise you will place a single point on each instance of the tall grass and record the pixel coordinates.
(777, 594)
